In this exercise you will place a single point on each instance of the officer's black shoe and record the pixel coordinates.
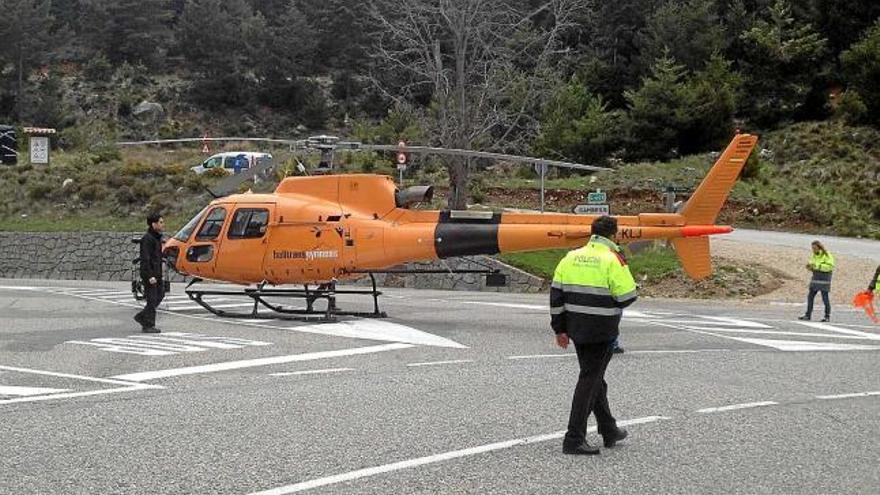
(827, 318)
(610, 440)
(618, 350)
(139, 319)
(804, 318)
(582, 449)
(151, 330)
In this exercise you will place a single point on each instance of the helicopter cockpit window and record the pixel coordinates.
(183, 234)
(212, 226)
(249, 223)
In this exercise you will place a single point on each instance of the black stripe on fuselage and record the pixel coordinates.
(465, 236)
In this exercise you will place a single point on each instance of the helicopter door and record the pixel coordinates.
(241, 259)
(202, 253)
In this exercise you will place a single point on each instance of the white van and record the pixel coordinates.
(231, 161)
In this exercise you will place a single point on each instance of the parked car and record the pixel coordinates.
(231, 161)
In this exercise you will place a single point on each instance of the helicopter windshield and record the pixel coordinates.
(183, 234)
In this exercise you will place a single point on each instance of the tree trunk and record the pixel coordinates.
(19, 102)
(459, 172)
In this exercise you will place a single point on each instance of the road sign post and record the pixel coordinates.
(402, 159)
(541, 169)
(39, 144)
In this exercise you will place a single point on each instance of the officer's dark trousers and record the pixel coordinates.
(812, 295)
(154, 295)
(591, 393)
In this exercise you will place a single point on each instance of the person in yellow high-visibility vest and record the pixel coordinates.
(874, 284)
(822, 265)
(591, 286)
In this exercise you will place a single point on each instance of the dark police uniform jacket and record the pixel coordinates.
(151, 256)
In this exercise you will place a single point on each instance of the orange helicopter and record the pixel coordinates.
(317, 230)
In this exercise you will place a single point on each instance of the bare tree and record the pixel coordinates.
(482, 66)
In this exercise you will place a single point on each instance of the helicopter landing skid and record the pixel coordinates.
(327, 292)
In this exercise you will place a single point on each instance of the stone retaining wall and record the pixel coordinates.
(109, 255)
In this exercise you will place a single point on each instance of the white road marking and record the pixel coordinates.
(848, 396)
(216, 306)
(735, 407)
(357, 329)
(126, 386)
(250, 363)
(542, 356)
(807, 346)
(718, 321)
(510, 305)
(677, 351)
(167, 344)
(372, 329)
(438, 363)
(782, 345)
(432, 459)
(776, 332)
(845, 331)
(312, 372)
(27, 391)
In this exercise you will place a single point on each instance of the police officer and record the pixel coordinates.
(591, 286)
(151, 272)
(822, 265)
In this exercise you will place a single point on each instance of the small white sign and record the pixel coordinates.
(592, 210)
(39, 149)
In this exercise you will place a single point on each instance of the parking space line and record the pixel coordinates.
(438, 363)
(734, 407)
(250, 363)
(311, 372)
(509, 305)
(542, 356)
(848, 396)
(433, 459)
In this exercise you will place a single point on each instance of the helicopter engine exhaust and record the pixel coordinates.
(413, 195)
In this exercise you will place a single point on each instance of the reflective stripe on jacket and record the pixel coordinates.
(822, 265)
(874, 285)
(591, 286)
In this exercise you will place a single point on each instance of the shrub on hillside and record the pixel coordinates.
(861, 65)
(38, 190)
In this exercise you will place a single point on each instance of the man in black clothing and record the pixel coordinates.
(151, 272)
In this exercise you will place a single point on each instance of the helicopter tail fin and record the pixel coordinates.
(693, 252)
(706, 202)
(703, 207)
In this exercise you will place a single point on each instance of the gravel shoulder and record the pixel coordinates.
(851, 273)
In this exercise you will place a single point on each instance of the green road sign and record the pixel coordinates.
(596, 197)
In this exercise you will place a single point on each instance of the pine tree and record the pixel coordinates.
(784, 56)
(861, 65)
(690, 31)
(25, 41)
(656, 110)
(134, 31)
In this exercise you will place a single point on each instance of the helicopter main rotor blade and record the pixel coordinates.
(483, 154)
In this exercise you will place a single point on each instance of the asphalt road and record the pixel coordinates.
(454, 393)
(868, 249)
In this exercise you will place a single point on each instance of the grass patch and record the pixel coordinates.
(68, 223)
(538, 263)
(653, 263)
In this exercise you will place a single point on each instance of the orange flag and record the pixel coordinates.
(865, 300)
